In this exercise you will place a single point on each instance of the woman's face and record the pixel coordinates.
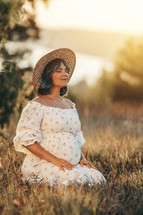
(60, 76)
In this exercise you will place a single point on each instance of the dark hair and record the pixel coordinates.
(44, 86)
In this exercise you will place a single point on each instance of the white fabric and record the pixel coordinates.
(59, 132)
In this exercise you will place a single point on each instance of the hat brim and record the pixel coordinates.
(64, 53)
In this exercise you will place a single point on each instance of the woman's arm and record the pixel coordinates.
(40, 152)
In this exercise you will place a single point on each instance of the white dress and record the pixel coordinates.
(59, 132)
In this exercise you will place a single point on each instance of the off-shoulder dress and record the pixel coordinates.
(58, 131)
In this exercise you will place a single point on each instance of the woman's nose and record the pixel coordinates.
(64, 73)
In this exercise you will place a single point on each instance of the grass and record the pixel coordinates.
(114, 144)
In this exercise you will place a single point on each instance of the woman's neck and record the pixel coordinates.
(55, 94)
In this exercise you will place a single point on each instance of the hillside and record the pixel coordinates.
(102, 44)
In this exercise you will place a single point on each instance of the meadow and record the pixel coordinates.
(114, 145)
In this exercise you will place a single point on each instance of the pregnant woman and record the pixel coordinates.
(49, 129)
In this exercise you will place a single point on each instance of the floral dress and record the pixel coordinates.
(58, 131)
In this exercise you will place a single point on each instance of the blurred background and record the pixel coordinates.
(107, 87)
(106, 35)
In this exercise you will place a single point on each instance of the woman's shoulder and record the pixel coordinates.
(37, 103)
(69, 102)
(33, 105)
(36, 99)
(33, 111)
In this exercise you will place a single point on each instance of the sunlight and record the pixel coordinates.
(111, 15)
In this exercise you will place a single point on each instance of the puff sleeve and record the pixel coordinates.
(29, 127)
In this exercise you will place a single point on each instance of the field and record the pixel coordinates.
(114, 144)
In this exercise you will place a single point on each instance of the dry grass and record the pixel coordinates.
(114, 144)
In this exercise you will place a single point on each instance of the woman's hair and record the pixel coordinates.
(44, 86)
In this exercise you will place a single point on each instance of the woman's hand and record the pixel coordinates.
(61, 163)
(39, 151)
(88, 164)
(83, 161)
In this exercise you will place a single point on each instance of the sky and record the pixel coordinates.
(124, 16)
(105, 15)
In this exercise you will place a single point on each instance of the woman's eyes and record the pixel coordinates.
(67, 71)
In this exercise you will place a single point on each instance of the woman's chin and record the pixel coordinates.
(64, 85)
(61, 85)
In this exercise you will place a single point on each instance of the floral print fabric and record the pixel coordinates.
(59, 132)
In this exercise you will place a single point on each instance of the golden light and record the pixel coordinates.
(108, 15)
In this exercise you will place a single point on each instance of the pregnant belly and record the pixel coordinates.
(63, 145)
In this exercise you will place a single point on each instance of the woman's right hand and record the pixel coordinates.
(61, 163)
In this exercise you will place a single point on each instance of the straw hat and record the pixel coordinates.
(63, 53)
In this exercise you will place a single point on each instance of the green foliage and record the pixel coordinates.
(126, 80)
(11, 25)
(12, 28)
(9, 14)
(10, 84)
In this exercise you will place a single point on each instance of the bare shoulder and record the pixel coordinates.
(37, 99)
(68, 102)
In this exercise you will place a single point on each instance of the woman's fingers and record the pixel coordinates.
(93, 167)
(85, 162)
(63, 164)
(62, 169)
(88, 165)
(81, 163)
(67, 165)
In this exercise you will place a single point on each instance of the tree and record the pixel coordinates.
(13, 27)
(126, 80)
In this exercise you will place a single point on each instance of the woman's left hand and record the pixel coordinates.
(88, 164)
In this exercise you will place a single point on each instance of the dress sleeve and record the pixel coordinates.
(73, 105)
(29, 127)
